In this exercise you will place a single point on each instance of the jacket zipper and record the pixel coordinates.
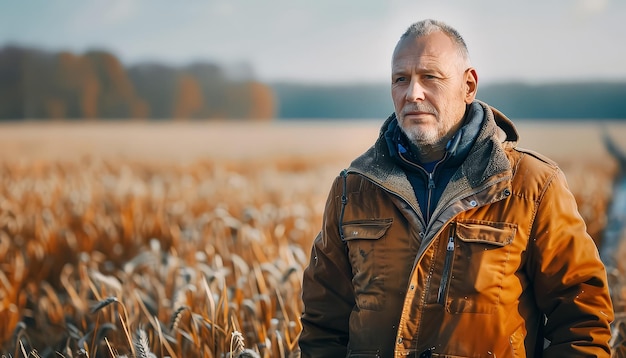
(447, 267)
(431, 182)
(431, 186)
(344, 201)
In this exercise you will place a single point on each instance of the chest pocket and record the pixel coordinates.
(365, 240)
(481, 253)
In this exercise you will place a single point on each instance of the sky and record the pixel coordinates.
(330, 41)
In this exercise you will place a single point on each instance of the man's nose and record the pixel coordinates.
(415, 92)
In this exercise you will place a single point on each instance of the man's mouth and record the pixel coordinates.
(419, 110)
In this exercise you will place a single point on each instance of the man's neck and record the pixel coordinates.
(429, 153)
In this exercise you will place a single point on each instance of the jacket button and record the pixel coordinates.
(412, 287)
(507, 192)
(400, 340)
(473, 203)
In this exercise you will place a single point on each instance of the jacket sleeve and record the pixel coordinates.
(327, 291)
(570, 281)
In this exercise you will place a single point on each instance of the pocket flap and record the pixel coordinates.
(365, 230)
(493, 233)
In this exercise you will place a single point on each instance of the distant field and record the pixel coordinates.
(189, 141)
(188, 239)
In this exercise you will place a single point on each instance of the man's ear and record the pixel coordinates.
(471, 85)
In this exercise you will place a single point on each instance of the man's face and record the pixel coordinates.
(430, 87)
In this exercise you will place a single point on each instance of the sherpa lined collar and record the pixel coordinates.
(486, 157)
(457, 148)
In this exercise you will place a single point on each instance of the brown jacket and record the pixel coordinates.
(504, 267)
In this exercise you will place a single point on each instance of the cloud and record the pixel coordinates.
(590, 8)
(106, 14)
(120, 11)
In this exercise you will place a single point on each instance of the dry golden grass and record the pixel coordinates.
(188, 255)
(125, 250)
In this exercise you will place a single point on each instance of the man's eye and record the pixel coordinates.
(399, 79)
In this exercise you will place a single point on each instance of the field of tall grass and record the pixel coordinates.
(189, 240)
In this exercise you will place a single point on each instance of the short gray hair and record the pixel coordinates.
(428, 26)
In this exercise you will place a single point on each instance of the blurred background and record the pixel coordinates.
(295, 59)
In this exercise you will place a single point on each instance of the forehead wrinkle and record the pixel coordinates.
(418, 64)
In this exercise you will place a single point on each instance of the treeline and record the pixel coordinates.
(359, 101)
(572, 100)
(96, 85)
(576, 100)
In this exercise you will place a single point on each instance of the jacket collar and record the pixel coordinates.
(485, 159)
(456, 150)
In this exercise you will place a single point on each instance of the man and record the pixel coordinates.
(446, 240)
